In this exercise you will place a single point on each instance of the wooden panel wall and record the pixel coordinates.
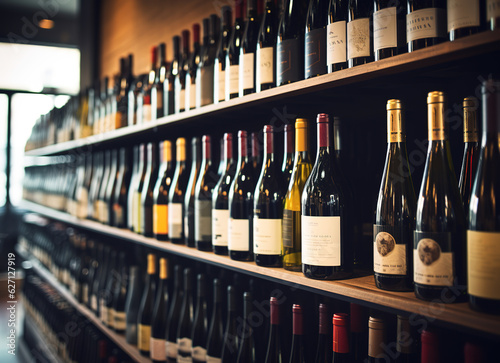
(133, 26)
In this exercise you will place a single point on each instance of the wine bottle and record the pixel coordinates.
(98, 208)
(474, 352)
(265, 58)
(199, 329)
(471, 155)
(256, 153)
(147, 194)
(240, 241)
(297, 353)
(132, 187)
(145, 315)
(107, 214)
(484, 216)
(173, 316)
(122, 95)
(341, 352)
(359, 33)
(108, 294)
(180, 80)
(290, 43)
(157, 95)
(120, 206)
(171, 97)
(220, 200)
(161, 190)
(215, 340)
(231, 335)
(141, 176)
(439, 241)
(247, 50)
(430, 352)
(220, 63)
(376, 339)
(291, 214)
(388, 28)
(159, 317)
(324, 212)
(336, 41)
(207, 179)
(193, 64)
(176, 194)
(405, 341)
(433, 14)
(189, 199)
(268, 208)
(395, 213)
(324, 348)
(147, 109)
(184, 342)
(96, 254)
(205, 75)
(246, 350)
(492, 14)
(120, 296)
(233, 53)
(358, 337)
(315, 38)
(288, 156)
(273, 354)
(102, 311)
(464, 18)
(96, 181)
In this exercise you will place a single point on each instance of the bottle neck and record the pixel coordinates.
(298, 328)
(206, 151)
(491, 111)
(436, 125)
(395, 127)
(269, 146)
(323, 136)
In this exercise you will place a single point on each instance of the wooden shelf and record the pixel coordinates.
(119, 340)
(360, 289)
(468, 47)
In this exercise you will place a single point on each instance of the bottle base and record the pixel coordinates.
(442, 294)
(241, 255)
(220, 250)
(268, 260)
(326, 272)
(483, 305)
(204, 246)
(393, 282)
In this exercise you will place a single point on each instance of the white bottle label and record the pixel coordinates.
(199, 354)
(182, 99)
(220, 222)
(425, 23)
(462, 13)
(267, 235)
(492, 9)
(175, 220)
(171, 348)
(120, 320)
(265, 65)
(388, 256)
(93, 302)
(157, 349)
(222, 84)
(358, 38)
(239, 239)
(483, 264)
(432, 266)
(146, 113)
(336, 49)
(83, 198)
(85, 292)
(203, 220)
(192, 96)
(321, 241)
(233, 79)
(385, 32)
(213, 360)
(184, 347)
(247, 70)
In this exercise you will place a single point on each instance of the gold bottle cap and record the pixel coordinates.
(435, 97)
(470, 102)
(163, 268)
(394, 121)
(181, 149)
(470, 105)
(435, 115)
(167, 150)
(301, 123)
(151, 264)
(301, 134)
(376, 323)
(393, 105)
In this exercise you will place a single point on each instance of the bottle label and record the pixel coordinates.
(118, 214)
(192, 96)
(288, 237)
(120, 320)
(321, 241)
(265, 65)
(203, 220)
(315, 55)
(199, 354)
(146, 113)
(233, 79)
(336, 49)
(206, 85)
(137, 212)
(267, 236)
(111, 318)
(492, 9)
(239, 230)
(462, 14)
(483, 264)
(143, 337)
(220, 221)
(93, 302)
(358, 38)
(433, 259)
(389, 256)
(171, 348)
(131, 109)
(175, 220)
(158, 349)
(288, 61)
(160, 219)
(184, 347)
(83, 197)
(385, 31)
(103, 311)
(85, 292)
(247, 70)
(425, 23)
(182, 99)
(186, 226)
(213, 359)
(221, 84)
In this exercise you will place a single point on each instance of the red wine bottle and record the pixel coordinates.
(220, 200)
(464, 17)
(193, 64)
(273, 354)
(145, 315)
(430, 347)
(120, 209)
(376, 340)
(220, 60)
(158, 351)
(336, 32)
(265, 59)
(199, 329)
(134, 296)
(184, 342)
(325, 213)
(315, 39)
(147, 194)
(341, 352)
(120, 295)
(205, 71)
(180, 80)
(176, 195)
(358, 337)
(240, 242)
(233, 53)
(189, 201)
(157, 95)
(483, 233)
(359, 33)
(405, 341)
(324, 348)
(215, 339)
(288, 156)
(297, 353)
(246, 350)
(173, 316)
(130, 191)
(161, 190)
(247, 50)
(432, 13)
(137, 206)
(147, 109)
(268, 208)
(388, 28)
(207, 179)
(475, 353)
(169, 86)
(231, 337)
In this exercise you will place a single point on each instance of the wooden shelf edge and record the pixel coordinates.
(119, 340)
(440, 53)
(361, 289)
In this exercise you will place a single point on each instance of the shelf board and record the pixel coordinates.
(119, 339)
(361, 289)
(463, 48)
